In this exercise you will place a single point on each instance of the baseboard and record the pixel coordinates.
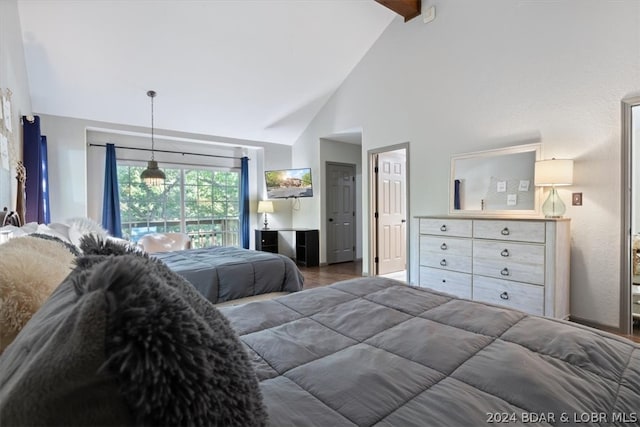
(324, 264)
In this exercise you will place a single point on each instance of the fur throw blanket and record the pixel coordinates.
(31, 267)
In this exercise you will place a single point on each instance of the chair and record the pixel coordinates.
(164, 242)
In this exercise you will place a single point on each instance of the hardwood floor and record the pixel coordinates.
(327, 274)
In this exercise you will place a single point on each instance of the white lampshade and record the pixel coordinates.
(553, 172)
(265, 206)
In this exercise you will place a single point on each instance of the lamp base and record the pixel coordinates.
(266, 224)
(553, 207)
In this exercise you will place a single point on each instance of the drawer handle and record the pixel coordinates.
(443, 263)
(444, 280)
(505, 231)
(443, 227)
(443, 246)
(505, 252)
(504, 295)
(504, 271)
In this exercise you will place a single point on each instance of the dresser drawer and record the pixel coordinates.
(521, 296)
(446, 261)
(446, 227)
(522, 262)
(450, 282)
(523, 231)
(445, 245)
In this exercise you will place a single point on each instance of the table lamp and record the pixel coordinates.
(554, 172)
(265, 206)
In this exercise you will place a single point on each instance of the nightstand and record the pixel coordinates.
(267, 241)
(307, 248)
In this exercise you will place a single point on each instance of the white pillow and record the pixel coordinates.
(61, 228)
(51, 231)
(78, 227)
(29, 227)
(15, 231)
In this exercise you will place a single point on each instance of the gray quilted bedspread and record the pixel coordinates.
(373, 351)
(223, 273)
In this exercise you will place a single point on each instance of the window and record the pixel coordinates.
(204, 203)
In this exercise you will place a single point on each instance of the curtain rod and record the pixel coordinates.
(169, 151)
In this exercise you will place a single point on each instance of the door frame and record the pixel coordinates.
(626, 271)
(373, 196)
(326, 207)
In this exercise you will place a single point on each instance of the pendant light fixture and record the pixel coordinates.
(152, 175)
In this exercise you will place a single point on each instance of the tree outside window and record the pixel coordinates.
(201, 202)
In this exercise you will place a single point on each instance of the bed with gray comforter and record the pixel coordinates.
(373, 351)
(223, 273)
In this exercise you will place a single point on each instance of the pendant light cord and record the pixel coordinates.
(152, 95)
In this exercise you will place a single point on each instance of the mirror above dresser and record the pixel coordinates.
(495, 182)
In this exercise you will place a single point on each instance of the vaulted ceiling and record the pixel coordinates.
(248, 69)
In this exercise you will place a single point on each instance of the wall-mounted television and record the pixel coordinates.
(289, 183)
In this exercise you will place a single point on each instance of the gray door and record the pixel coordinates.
(341, 212)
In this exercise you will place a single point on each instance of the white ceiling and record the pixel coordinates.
(248, 69)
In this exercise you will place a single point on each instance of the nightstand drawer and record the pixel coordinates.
(521, 296)
(523, 231)
(446, 227)
(445, 246)
(513, 261)
(450, 282)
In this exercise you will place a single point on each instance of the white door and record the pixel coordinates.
(391, 211)
(341, 212)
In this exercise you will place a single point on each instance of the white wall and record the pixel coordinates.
(486, 75)
(13, 76)
(76, 171)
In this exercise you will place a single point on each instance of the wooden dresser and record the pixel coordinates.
(519, 263)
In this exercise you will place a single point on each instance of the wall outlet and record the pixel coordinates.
(576, 199)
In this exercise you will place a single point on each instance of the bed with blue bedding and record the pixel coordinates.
(224, 273)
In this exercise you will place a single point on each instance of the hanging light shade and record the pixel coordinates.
(152, 175)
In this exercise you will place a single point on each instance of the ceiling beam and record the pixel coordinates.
(409, 9)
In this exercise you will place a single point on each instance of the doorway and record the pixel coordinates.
(630, 261)
(388, 211)
(341, 212)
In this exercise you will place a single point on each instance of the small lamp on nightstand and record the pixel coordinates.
(265, 206)
(553, 173)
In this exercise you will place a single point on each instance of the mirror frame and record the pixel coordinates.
(537, 195)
